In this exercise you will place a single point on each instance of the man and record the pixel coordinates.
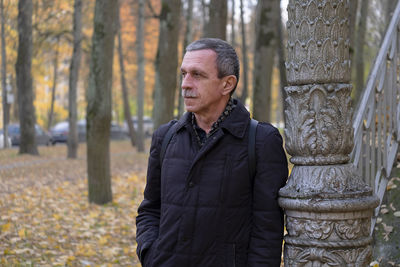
(200, 206)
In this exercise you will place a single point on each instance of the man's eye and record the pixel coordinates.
(183, 74)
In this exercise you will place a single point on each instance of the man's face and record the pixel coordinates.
(201, 88)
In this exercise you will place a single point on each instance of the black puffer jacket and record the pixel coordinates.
(202, 208)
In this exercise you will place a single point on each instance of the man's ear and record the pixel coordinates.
(229, 84)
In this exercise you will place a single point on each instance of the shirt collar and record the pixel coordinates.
(215, 126)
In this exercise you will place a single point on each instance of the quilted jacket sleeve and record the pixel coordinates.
(267, 217)
(148, 219)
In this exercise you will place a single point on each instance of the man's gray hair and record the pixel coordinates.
(227, 59)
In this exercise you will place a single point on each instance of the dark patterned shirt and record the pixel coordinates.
(201, 135)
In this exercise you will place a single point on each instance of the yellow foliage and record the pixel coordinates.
(70, 259)
(22, 233)
(103, 240)
(5, 227)
(55, 19)
(85, 250)
(8, 252)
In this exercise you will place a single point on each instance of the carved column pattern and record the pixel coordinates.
(328, 206)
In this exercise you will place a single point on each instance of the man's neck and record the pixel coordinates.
(206, 120)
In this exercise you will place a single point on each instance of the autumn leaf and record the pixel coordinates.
(387, 230)
(5, 227)
(384, 211)
(46, 219)
(22, 233)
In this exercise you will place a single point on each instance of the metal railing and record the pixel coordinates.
(377, 120)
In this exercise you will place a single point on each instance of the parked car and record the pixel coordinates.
(60, 131)
(42, 137)
(148, 125)
(2, 140)
(117, 132)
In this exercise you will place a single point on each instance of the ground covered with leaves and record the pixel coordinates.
(45, 217)
(387, 230)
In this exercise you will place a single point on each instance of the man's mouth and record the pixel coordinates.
(188, 93)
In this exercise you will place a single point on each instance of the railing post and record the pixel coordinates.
(328, 206)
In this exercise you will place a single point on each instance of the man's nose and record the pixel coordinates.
(186, 82)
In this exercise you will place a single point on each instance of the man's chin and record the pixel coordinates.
(190, 109)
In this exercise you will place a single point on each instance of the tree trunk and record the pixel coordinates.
(125, 95)
(99, 100)
(216, 25)
(72, 141)
(186, 41)
(390, 7)
(204, 15)
(14, 90)
(27, 118)
(140, 75)
(360, 67)
(265, 49)
(53, 88)
(233, 32)
(166, 62)
(4, 78)
(353, 6)
(243, 97)
(282, 69)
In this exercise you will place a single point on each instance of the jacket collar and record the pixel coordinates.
(236, 123)
(183, 121)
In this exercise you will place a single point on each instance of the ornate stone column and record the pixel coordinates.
(328, 207)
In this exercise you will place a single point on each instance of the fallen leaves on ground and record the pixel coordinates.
(387, 230)
(45, 217)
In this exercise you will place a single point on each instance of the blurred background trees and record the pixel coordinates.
(151, 36)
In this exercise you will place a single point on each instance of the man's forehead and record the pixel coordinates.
(196, 57)
(200, 54)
